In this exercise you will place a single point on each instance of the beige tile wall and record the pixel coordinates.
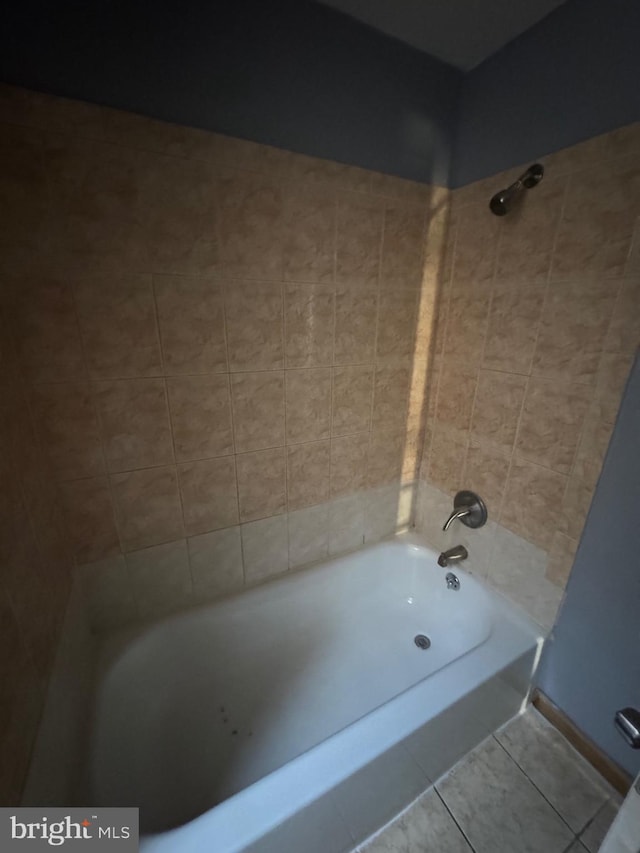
(219, 345)
(217, 360)
(538, 326)
(36, 563)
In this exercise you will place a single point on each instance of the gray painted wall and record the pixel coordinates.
(572, 76)
(299, 75)
(289, 73)
(591, 665)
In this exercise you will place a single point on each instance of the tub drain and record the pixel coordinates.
(422, 641)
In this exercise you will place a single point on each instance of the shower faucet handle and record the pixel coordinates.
(469, 508)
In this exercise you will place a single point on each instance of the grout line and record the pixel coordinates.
(514, 454)
(538, 789)
(452, 816)
(333, 341)
(101, 431)
(233, 429)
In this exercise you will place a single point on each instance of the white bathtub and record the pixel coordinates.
(226, 721)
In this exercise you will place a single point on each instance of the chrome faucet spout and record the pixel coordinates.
(457, 513)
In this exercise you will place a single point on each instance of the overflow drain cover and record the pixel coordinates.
(422, 641)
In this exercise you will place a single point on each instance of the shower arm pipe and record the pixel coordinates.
(502, 201)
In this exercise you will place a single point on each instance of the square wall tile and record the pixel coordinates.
(309, 241)
(200, 408)
(517, 569)
(455, 394)
(24, 188)
(67, 426)
(575, 506)
(476, 245)
(497, 408)
(346, 523)
(356, 315)
(592, 448)
(308, 535)
(573, 329)
(526, 241)
(216, 562)
(148, 510)
(466, 327)
(180, 196)
(349, 455)
(597, 223)
(45, 328)
(308, 404)
(307, 474)
(265, 548)
(447, 458)
(191, 318)
(551, 423)
(117, 318)
(397, 319)
(485, 473)
(258, 410)
(613, 372)
(514, 319)
(261, 483)
(388, 509)
(160, 578)
(352, 399)
(532, 500)
(90, 519)
(561, 556)
(403, 246)
(134, 420)
(255, 324)
(622, 335)
(308, 325)
(392, 385)
(359, 238)
(251, 208)
(209, 494)
(99, 220)
(386, 457)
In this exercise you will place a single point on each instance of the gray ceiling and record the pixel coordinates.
(460, 32)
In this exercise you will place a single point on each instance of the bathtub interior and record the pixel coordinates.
(155, 686)
(207, 702)
(337, 817)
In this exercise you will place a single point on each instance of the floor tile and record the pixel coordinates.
(498, 808)
(577, 847)
(593, 836)
(563, 777)
(425, 827)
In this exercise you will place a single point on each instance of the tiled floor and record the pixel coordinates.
(523, 790)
